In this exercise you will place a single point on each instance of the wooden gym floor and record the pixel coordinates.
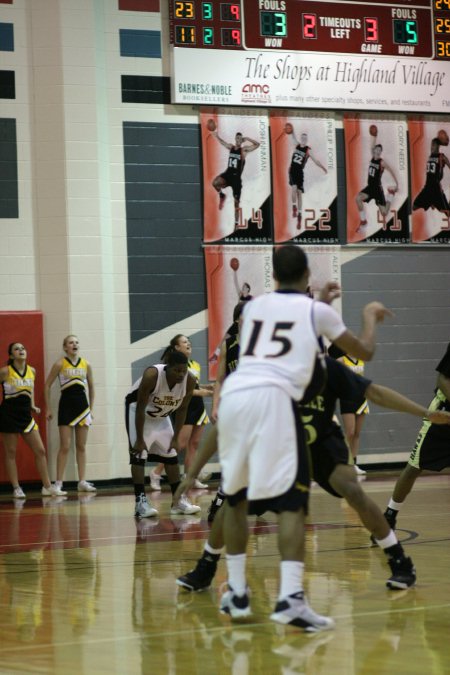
(86, 589)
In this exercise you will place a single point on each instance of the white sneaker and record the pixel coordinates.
(237, 606)
(85, 486)
(204, 476)
(359, 472)
(18, 493)
(198, 485)
(184, 507)
(295, 610)
(144, 509)
(155, 481)
(53, 491)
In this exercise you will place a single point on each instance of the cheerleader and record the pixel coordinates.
(196, 416)
(17, 379)
(75, 409)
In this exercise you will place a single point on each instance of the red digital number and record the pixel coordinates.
(370, 29)
(309, 22)
(236, 36)
(235, 11)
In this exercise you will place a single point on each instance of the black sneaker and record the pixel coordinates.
(201, 576)
(391, 517)
(403, 574)
(215, 505)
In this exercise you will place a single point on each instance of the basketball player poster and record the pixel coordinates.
(236, 176)
(304, 177)
(430, 180)
(235, 273)
(377, 180)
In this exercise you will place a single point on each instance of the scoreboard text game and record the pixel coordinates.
(384, 56)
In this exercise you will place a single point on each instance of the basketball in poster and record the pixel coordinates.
(430, 180)
(304, 177)
(376, 172)
(236, 176)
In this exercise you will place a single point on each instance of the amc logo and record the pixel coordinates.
(263, 89)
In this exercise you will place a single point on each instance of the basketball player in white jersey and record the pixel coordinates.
(162, 390)
(261, 441)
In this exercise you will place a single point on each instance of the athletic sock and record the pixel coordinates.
(236, 573)
(139, 490)
(394, 506)
(362, 215)
(391, 547)
(291, 577)
(212, 551)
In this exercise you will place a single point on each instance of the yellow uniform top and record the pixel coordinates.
(356, 365)
(195, 370)
(18, 384)
(73, 374)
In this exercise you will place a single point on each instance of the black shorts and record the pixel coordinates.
(357, 407)
(374, 193)
(432, 448)
(297, 178)
(232, 181)
(326, 454)
(431, 196)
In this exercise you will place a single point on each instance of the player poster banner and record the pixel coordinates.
(376, 162)
(303, 149)
(236, 176)
(430, 180)
(236, 273)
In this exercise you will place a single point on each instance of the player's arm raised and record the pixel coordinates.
(180, 415)
(253, 145)
(226, 145)
(148, 384)
(389, 398)
(363, 346)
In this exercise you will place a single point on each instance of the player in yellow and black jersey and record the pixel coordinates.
(432, 448)
(75, 408)
(16, 418)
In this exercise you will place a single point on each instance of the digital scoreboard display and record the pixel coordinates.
(386, 32)
(419, 28)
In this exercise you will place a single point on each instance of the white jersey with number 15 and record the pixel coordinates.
(279, 341)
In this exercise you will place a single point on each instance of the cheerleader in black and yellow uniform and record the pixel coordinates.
(17, 379)
(196, 416)
(75, 409)
(352, 412)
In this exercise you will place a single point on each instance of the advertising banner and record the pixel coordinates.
(303, 149)
(236, 176)
(430, 180)
(236, 273)
(376, 160)
(310, 80)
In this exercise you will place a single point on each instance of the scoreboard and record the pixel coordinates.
(285, 52)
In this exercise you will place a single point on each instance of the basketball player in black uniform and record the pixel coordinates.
(232, 176)
(300, 156)
(374, 189)
(332, 469)
(432, 448)
(432, 195)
